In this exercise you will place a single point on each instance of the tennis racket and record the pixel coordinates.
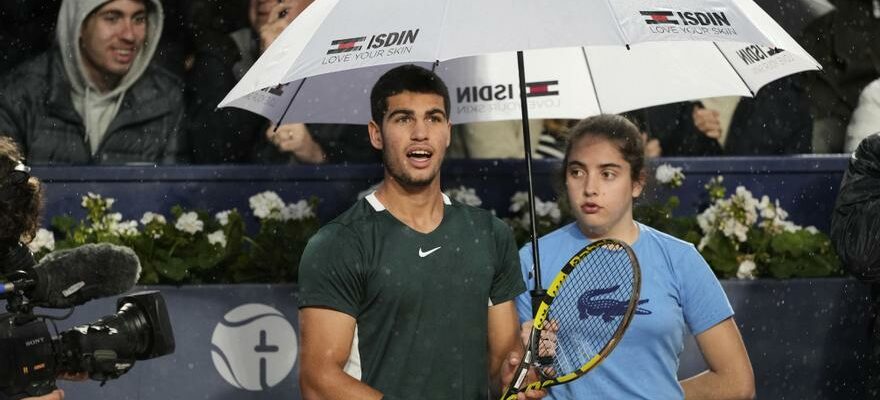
(584, 315)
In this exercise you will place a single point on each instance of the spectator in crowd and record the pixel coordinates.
(775, 121)
(237, 136)
(95, 97)
(27, 29)
(652, 144)
(855, 232)
(866, 118)
(847, 44)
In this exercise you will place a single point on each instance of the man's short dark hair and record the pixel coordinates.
(405, 78)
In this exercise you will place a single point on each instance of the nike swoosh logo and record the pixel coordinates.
(424, 254)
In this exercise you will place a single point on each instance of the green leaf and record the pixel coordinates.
(721, 255)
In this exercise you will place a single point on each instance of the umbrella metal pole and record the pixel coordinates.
(538, 292)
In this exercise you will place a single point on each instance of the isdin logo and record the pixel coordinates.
(254, 347)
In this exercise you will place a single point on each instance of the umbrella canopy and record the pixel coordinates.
(342, 35)
(571, 83)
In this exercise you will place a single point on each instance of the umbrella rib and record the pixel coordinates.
(617, 24)
(292, 98)
(734, 69)
(442, 29)
(592, 81)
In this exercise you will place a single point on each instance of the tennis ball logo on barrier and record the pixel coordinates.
(254, 347)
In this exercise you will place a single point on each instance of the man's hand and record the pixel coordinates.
(652, 146)
(507, 371)
(706, 121)
(281, 14)
(296, 140)
(56, 394)
(548, 348)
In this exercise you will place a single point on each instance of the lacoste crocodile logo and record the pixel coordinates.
(424, 254)
(588, 305)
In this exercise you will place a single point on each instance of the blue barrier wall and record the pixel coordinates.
(805, 185)
(807, 339)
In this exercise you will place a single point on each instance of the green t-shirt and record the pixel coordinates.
(420, 300)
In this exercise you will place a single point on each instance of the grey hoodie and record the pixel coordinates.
(98, 109)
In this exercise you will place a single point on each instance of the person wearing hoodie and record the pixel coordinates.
(95, 97)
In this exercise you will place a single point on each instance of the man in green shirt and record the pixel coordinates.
(422, 284)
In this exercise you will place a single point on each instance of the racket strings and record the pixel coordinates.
(587, 312)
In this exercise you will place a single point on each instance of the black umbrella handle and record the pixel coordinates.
(538, 292)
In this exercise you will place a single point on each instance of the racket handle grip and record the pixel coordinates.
(537, 296)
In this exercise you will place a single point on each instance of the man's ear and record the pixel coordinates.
(375, 135)
(449, 138)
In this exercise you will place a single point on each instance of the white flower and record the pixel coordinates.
(266, 204)
(812, 229)
(768, 211)
(114, 218)
(518, 201)
(92, 198)
(669, 175)
(547, 209)
(780, 213)
(746, 270)
(89, 196)
(297, 211)
(707, 218)
(189, 223)
(223, 217)
(789, 226)
(153, 217)
(217, 237)
(44, 239)
(127, 228)
(465, 195)
(703, 242)
(740, 231)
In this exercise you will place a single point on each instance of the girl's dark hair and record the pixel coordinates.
(617, 130)
(20, 201)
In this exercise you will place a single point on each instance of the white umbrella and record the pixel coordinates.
(321, 67)
(341, 36)
(570, 83)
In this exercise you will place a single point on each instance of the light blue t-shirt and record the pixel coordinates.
(680, 295)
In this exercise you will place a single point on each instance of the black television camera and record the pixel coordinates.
(31, 358)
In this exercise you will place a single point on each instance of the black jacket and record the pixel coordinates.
(855, 224)
(776, 121)
(37, 111)
(855, 232)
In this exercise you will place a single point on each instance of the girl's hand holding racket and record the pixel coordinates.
(582, 318)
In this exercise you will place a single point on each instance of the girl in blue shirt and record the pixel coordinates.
(603, 172)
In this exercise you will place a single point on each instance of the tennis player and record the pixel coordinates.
(424, 283)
